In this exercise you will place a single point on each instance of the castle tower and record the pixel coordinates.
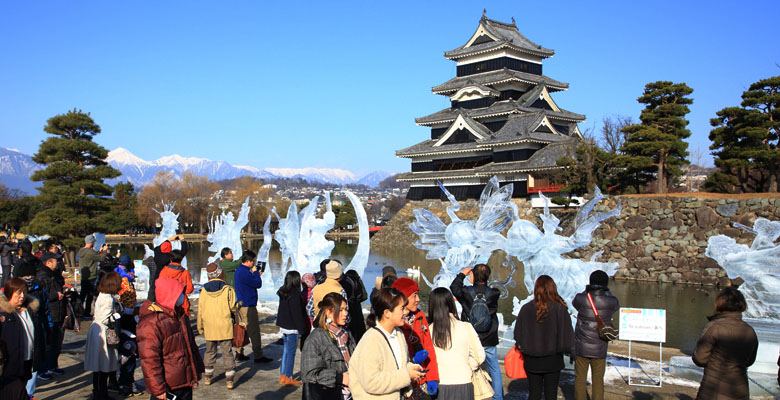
(502, 120)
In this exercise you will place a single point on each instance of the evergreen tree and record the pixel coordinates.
(73, 193)
(745, 142)
(655, 149)
(122, 216)
(587, 165)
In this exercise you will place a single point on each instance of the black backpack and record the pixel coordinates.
(479, 316)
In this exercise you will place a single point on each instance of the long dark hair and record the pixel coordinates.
(332, 301)
(545, 290)
(384, 299)
(440, 306)
(292, 284)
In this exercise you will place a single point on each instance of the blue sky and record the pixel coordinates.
(292, 84)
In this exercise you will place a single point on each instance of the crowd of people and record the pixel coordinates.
(398, 352)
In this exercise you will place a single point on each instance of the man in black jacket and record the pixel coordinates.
(7, 247)
(479, 276)
(590, 349)
(50, 277)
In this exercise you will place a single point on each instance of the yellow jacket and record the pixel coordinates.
(216, 304)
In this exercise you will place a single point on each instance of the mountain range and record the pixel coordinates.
(16, 168)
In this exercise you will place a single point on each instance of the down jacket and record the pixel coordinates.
(170, 359)
(12, 333)
(587, 342)
(726, 348)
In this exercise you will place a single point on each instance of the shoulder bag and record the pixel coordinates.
(606, 332)
(480, 379)
(240, 337)
(514, 363)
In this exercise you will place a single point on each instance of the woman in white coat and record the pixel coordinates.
(457, 346)
(101, 358)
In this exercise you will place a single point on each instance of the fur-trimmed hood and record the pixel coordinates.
(30, 302)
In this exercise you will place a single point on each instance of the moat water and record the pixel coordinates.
(687, 306)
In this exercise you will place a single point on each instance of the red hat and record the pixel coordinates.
(165, 247)
(406, 286)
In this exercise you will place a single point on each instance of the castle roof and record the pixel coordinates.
(492, 35)
(498, 108)
(498, 76)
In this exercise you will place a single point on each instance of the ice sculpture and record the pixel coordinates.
(37, 238)
(360, 259)
(313, 247)
(268, 291)
(170, 224)
(541, 252)
(758, 265)
(462, 243)
(226, 232)
(287, 237)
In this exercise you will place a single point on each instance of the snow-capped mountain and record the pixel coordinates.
(16, 168)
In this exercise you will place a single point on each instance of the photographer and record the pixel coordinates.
(247, 282)
(88, 265)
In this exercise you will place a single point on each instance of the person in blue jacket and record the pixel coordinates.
(247, 281)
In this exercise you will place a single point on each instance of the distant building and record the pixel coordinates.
(502, 120)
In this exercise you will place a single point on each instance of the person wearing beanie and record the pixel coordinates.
(162, 257)
(418, 335)
(590, 349)
(170, 359)
(88, 266)
(216, 305)
(333, 271)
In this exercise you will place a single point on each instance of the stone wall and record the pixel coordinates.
(656, 238)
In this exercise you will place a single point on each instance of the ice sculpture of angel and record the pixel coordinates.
(287, 236)
(758, 265)
(268, 291)
(226, 232)
(313, 247)
(463, 243)
(170, 224)
(541, 252)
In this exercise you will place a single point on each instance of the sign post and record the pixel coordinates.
(644, 325)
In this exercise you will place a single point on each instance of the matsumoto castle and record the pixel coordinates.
(502, 120)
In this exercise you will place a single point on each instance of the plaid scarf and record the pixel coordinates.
(342, 339)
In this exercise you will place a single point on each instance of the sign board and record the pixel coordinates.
(643, 324)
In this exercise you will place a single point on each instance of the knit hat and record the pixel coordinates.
(334, 269)
(165, 247)
(89, 239)
(48, 256)
(599, 277)
(25, 269)
(308, 279)
(388, 270)
(406, 286)
(214, 271)
(124, 260)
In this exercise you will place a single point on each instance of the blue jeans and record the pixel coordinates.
(494, 370)
(32, 384)
(288, 357)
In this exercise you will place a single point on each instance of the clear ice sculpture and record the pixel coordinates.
(170, 224)
(224, 231)
(268, 291)
(541, 252)
(287, 237)
(37, 238)
(313, 247)
(758, 265)
(464, 243)
(360, 259)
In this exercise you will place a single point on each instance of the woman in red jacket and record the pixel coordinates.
(418, 335)
(170, 359)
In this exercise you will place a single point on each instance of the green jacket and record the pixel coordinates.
(89, 259)
(229, 268)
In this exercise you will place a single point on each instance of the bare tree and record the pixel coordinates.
(694, 169)
(612, 137)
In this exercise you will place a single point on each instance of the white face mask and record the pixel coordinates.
(180, 300)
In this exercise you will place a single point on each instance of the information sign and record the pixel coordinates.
(643, 324)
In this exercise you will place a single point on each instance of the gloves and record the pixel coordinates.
(433, 387)
(420, 356)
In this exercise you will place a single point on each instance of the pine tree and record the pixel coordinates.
(655, 149)
(745, 142)
(73, 193)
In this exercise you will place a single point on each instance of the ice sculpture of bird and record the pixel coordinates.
(463, 243)
(541, 252)
(758, 265)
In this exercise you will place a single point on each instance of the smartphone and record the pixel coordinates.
(170, 396)
(261, 266)
(425, 371)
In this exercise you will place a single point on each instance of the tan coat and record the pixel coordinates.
(373, 373)
(726, 348)
(214, 310)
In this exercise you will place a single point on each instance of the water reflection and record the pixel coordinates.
(687, 307)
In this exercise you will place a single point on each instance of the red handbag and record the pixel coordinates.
(240, 338)
(514, 364)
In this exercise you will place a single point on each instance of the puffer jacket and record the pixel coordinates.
(726, 348)
(587, 342)
(12, 333)
(170, 359)
(216, 303)
(52, 282)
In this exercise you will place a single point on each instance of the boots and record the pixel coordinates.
(288, 381)
(229, 378)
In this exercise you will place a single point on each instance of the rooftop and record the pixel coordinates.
(498, 108)
(496, 77)
(501, 35)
